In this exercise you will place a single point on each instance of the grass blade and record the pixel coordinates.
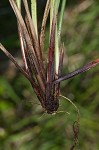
(78, 71)
(51, 12)
(61, 18)
(35, 40)
(22, 42)
(56, 7)
(28, 43)
(34, 15)
(42, 34)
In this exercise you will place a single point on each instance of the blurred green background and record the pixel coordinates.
(23, 124)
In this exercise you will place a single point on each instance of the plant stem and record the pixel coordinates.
(78, 71)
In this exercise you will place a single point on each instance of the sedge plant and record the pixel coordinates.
(43, 72)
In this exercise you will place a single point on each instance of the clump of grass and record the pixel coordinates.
(44, 78)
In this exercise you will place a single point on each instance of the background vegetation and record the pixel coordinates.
(22, 122)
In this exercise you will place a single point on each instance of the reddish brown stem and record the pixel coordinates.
(78, 71)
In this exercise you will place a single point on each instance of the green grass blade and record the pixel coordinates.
(56, 51)
(54, 5)
(57, 3)
(34, 14)
(61, 18)
(51, 12)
